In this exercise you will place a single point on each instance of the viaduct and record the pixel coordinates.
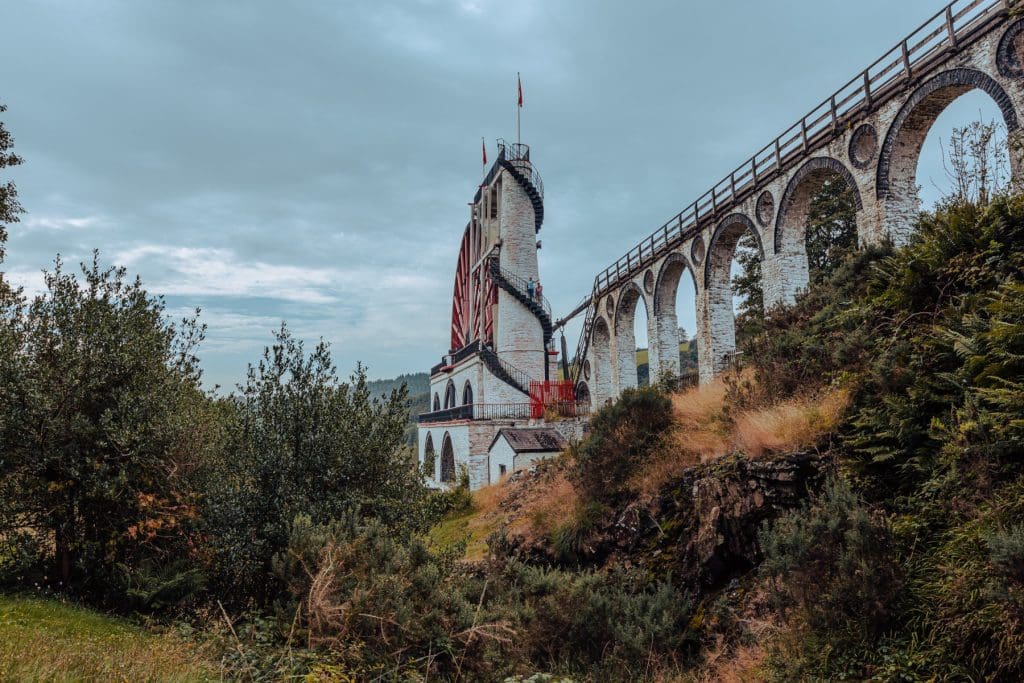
(868, 134)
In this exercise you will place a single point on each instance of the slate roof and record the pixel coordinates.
(531, 440)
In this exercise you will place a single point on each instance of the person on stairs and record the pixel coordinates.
(530, 287)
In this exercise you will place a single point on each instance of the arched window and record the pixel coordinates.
(447, 460)
(449, 395)
(467, 394)
(429, 456)
(437, 402)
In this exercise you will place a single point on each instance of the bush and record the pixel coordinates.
(301, 442)
(833, 563)
(622, 435)
(611, 624)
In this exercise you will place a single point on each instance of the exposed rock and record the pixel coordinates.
(702, 528)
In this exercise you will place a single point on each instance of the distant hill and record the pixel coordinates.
(419, 397)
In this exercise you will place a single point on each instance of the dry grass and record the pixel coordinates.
(474, 525)
(45, 640)
(791, 425)
(705, 430)
(544, 508)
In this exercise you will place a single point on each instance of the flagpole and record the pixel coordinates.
(519, 108)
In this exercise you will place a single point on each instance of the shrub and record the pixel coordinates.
(302, 442)
(833, 563)
(622, 435)
(610, 623)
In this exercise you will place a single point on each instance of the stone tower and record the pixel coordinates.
(501, 325)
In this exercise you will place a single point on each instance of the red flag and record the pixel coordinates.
(520, 82)
(483, 148)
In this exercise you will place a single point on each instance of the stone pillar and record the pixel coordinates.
(624, 355)
(706, 347)
(783, 275)
(663, 337)
(601, 382)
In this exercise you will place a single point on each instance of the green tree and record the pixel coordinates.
(831, 229)
(9, 206)
(746, 287)
(99, 391)
(304, 443)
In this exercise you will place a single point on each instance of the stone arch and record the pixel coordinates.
(721, 240)
(791, 272)
(583, 393)
(896, 178)
(797, 196)
(602, 381)
(467, 393)
(447, 459)
(437, 402)
(625, 337)
(429, 456)
(449, 395)
(664, 347)
(719, 334)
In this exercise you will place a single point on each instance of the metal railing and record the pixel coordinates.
(454, 357)
(523, 286)
(517, 155)
(947, 30)
(503, 411)
(463, 412)
(516, 375)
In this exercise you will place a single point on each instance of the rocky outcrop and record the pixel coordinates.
(702, 527)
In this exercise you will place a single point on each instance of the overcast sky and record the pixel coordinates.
(311, 161)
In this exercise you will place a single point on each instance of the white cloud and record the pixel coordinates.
(45, 222)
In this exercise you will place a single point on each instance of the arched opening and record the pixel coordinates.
(602, 385)
(447, 459)
(734, 283)
(644, 356)
(896, 180)
(429, 457)
(965, 155)
(675, 318)
(630, 298)
(449, 395)
(467, 394)
(437, 402)
(583, 394)
(816, 225)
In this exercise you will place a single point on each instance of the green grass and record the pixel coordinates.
(46, 640)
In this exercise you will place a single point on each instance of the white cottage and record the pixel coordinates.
(515, 448)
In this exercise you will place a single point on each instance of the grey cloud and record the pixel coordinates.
(327, 150)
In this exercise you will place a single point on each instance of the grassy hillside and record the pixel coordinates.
(902, 374)
(46, 640)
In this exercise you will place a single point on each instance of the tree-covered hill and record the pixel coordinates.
(418, 385)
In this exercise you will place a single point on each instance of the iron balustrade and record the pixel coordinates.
(915, 55)
(503, 411)
(456, 356)
(517, 155)
(523, 286)
(463, 412)
(514, 374)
